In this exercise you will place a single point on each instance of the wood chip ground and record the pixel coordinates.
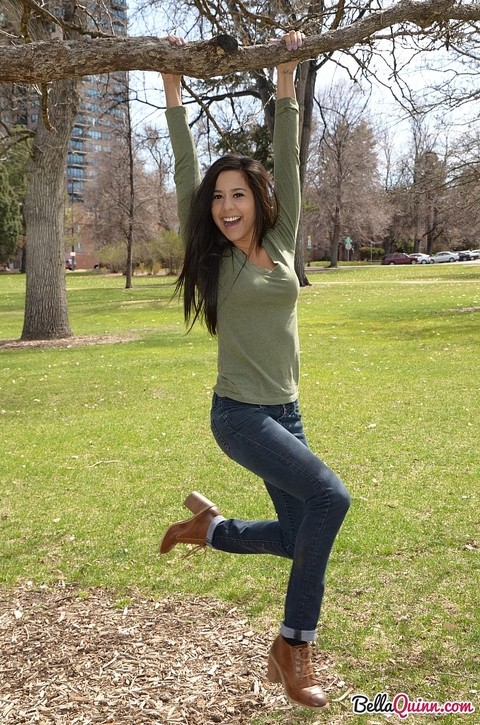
(73, 658)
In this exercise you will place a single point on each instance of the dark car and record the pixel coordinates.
(398, 258)
(465, 256)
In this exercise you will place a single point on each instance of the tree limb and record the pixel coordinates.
(46, 61)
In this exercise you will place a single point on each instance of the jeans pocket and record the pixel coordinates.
(291, 412)
(221, 442)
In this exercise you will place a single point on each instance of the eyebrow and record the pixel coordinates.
(237, 188)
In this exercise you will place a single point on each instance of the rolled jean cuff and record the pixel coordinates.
(305, 635)
(211, 529)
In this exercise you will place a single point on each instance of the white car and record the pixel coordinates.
(421, 258)
(445, 257)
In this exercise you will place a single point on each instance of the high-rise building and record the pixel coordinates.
(102, 107)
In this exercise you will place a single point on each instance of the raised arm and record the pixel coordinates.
(286, 71)
(286, 147)
(173, 90)
(187, 175)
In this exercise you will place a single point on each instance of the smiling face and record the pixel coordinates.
(233, 208)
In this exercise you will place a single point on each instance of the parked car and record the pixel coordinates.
(465, 256)
(421, 258)
(398, 258)
(475, 253)
(68, 264)
(445, 257)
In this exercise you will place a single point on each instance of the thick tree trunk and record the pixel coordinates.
(305, 94)
(46, 314)
(131, 202)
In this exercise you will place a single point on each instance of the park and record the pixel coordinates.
(103, 433)
(105, 392)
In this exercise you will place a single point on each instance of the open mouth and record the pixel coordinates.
(231, 220)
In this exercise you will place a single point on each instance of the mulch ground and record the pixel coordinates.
(75, 658)
(73, 341)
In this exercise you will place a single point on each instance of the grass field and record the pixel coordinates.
(101, 443)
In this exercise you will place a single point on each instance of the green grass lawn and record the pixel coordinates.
(101, 443)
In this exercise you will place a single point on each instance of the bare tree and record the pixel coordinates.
(46, 313)
(344, 190)
(118, 216)
(131, 207)
(463, 191)
(159, 158)
(418, 194)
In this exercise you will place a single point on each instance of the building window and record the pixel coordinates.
(77, 145)
(75, 188)
(75, 159)
(75, 173)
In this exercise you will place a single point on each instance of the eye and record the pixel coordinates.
(216, 196)
(238, 193)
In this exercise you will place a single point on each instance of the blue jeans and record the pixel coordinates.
(309, 499)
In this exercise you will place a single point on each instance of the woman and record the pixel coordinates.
(239, 278)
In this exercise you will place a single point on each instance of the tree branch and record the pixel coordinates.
(45, 61)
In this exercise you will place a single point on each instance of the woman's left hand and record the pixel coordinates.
(292, 40)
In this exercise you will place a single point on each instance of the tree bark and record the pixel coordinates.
(337, 225)
(305, 95)
(46, 314)
(42, 62)
(131, 200)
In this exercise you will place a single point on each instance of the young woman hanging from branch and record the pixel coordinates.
(238, 277)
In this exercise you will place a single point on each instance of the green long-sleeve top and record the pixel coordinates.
(258, 350)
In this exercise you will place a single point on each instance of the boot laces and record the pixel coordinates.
(303, 663)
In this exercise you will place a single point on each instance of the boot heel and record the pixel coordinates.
(196, 503)
(273, 673)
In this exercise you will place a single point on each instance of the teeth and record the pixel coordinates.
(231, 219)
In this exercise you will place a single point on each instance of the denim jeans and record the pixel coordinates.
(309, 499)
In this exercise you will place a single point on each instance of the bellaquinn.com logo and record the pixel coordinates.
(402, 706)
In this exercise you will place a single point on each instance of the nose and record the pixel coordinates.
(228, 201)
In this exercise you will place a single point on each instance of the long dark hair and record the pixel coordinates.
(206, 245)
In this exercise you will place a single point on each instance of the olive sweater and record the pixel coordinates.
(258, 351)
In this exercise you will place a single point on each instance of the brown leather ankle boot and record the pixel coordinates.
(292, 666)
(193, 530)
